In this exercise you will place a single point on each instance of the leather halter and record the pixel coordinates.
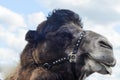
(70, 58)
(73, 54)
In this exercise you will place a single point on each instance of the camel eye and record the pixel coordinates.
(64, 35)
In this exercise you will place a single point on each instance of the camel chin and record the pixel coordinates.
(107, 69)
(92, 66)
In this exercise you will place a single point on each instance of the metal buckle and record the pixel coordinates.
(72, 57)
(47, 65)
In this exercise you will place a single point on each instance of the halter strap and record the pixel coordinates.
(73, 55)
(49, 65)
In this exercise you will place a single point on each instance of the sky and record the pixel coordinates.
(19, 16)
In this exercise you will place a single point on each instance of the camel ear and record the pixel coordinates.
(32, 36)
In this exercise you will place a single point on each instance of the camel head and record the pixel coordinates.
(56, 38)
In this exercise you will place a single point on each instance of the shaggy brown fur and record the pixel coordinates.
(29, 56)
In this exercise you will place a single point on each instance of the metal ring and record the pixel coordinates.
(47, 65)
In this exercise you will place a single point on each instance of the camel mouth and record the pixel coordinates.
(107, 68)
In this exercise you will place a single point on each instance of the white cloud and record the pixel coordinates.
(9, 18)
(8, 54)
(63, 3)
(72, 2)
(8, 57)
(36, 18)
(98, 11)
(12, 39)
(117, 8)
(107, 31)
(12, 28)
(12, 31)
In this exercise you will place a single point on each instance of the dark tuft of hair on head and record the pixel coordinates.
(62, 16)
(59, 17)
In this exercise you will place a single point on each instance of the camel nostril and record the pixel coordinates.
(105, 44)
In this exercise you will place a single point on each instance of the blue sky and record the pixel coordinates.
(22, 6)
(18, 16)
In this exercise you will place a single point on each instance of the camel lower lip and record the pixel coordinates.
(108, 68)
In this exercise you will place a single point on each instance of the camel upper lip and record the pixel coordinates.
(112, 64)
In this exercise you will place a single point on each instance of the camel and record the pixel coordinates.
(60, 49)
